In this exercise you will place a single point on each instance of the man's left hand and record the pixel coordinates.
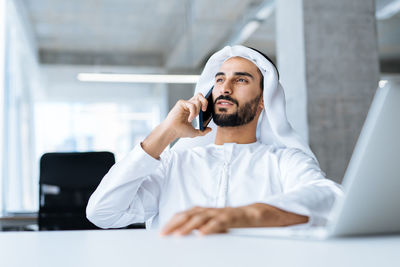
(219, 220)
(206, 220)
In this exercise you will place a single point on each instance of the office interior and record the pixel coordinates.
(75, 82)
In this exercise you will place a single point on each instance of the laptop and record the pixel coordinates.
(371, 203)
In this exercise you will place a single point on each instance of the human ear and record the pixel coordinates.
(261, 103)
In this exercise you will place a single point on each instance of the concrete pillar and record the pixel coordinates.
(291, 61)
(330, 48)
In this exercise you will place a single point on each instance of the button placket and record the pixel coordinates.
(224, 178)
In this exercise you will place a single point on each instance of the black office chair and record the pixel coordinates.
(66, 182)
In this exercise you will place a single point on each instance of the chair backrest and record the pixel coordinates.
(66, 182)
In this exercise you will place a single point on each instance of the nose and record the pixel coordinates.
(226, 88)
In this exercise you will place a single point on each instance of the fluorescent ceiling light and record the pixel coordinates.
(388, 10)
(245, 28)
(265, 10)
(246, 31)
(137, 78)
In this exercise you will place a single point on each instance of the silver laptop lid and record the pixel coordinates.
(372, 181)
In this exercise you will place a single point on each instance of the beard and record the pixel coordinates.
(243, 115)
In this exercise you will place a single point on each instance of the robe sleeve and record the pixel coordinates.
(129, 192)
(306, 191)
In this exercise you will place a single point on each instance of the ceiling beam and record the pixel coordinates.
(251, 22)
(100, 58)
(194, 45)
(205, 31)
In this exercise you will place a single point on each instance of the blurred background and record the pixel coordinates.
(332, 57)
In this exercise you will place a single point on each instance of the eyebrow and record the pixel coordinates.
(240, 73)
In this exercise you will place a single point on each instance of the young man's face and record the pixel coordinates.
(237, 94)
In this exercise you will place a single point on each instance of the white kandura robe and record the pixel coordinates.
(140, 188)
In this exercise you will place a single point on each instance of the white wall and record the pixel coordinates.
(2, 61)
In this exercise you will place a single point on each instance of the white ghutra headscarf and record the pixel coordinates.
(273, 127)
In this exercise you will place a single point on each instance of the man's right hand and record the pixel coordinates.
(183, 113)
(177, 124)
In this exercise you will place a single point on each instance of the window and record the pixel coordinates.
(113, 127)
(59, 115)
(21, 79)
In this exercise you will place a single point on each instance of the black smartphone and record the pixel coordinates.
(205, 117)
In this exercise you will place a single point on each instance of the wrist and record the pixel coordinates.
(168, 131)
(261, 215)
(264, 215)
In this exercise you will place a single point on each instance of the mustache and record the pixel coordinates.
(226, 97)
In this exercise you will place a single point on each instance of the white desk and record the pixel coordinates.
(115, 248)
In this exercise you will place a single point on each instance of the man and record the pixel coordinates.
(248, 169)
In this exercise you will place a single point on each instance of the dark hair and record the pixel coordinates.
(267, 58)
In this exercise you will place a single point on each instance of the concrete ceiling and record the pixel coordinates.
(176, 34)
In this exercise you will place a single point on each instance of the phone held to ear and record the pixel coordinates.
(205, 117)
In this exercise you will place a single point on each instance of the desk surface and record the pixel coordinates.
(146, 248)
